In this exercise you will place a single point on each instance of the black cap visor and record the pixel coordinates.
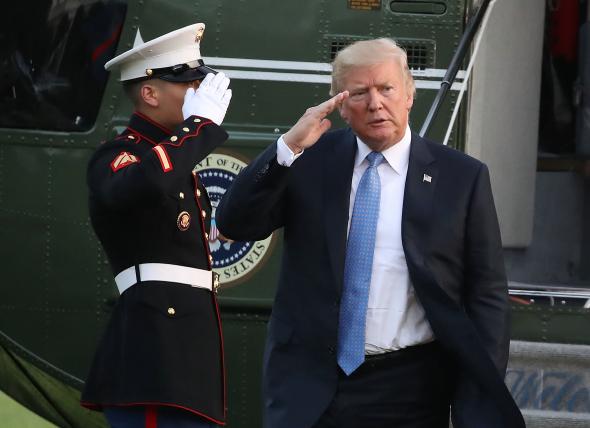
(183, 73)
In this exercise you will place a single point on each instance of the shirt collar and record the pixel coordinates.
(397, 156)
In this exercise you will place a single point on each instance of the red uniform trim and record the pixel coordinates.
(125, 137)
(202, 223)
(219, 328)
(163, 157)
(180, 141)
(152, 142)
(151, 417)
(95, 406)
(153, 122)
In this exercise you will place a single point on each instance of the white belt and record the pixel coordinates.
(167, 273)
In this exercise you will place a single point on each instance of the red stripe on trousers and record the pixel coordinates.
(151, 417)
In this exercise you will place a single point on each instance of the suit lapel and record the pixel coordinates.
(418, 195)
(451, 326)
(338, 169)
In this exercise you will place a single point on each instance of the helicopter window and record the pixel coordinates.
(52, 60)
(418, 55)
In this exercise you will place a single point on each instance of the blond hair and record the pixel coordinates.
(370, 52)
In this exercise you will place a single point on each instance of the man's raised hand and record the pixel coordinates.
(210, 100)
(314, 122)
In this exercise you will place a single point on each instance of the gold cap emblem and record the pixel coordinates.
(149, 72)
(199, 35)
(183, 221)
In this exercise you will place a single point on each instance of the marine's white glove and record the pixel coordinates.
(210, 100)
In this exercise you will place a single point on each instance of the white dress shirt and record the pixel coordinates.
(395, 318)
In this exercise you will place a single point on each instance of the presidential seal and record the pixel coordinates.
(234, 261)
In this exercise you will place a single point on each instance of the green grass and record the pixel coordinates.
(13, 415)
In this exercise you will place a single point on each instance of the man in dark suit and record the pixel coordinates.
(392, 303)
(160, 361)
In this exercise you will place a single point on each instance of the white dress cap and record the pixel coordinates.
(158, 56)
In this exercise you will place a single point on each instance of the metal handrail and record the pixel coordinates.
(550, 291)
(521, 288)
(456, 61)
(569, 295)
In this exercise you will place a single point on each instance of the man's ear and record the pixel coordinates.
(410, 101)
(149, 94)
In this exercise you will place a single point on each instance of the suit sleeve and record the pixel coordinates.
(120, 177)
(254, 206)
(486, 304)
(486, 298)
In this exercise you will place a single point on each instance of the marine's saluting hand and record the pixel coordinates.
(310, 127)
(210, 100)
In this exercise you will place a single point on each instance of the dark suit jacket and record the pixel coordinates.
(452, 246)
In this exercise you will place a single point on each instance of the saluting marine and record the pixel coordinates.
(160, 361)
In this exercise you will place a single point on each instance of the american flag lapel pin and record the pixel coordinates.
(427, 178)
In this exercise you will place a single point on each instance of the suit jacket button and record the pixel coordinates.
(198, 193)
(331, 350)
(171, 311)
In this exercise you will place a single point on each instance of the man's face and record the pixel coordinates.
(379, 104)
(171, 99)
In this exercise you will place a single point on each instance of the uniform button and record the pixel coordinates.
(131, 137)
(181, 195)
(204, 214)
(197, 120)
(173, 138)
(206, 235)
(331, 350)
(171, 311)
(185, 129)
(198, 193)
(210, 258)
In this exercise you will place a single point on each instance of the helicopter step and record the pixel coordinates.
(549, 419)
(551, 383)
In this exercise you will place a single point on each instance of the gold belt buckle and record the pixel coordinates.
(215, 282)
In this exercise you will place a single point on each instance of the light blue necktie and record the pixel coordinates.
(358, 266)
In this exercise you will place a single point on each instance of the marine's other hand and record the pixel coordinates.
(210, 100)
(310, 127)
